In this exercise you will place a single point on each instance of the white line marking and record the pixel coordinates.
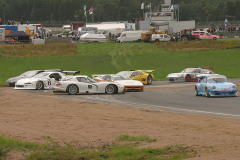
(164, 107)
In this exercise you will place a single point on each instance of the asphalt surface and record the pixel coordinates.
(165, 96)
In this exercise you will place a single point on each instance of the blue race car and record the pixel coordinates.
(215, 85)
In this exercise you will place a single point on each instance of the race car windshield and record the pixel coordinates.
(124, 73)
(43, 74)
(117, 78)
(187, 71)
(217, 80)
(91, 80)
(29, 74)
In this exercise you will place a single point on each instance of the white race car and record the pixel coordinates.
(189, 74)
(44, 80)
(128, 83)
(84, 84)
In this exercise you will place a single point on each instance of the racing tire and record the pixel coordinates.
(196, 92)
(11, 84)
(149, 79)
(188, 78)
(157, 41)
(214, 38)
(39, 85)
(184, 38)
(111, 89)
(207, 93)
(72, 89)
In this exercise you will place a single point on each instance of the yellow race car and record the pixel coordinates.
(144, 76)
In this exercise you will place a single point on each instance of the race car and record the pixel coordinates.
(84, 84)
(189, 74)
(215, 85)
(128, 83)
(44, 80)
(208, 36)
(28, 74)
(143, 76)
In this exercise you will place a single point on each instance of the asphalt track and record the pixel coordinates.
(165, 96)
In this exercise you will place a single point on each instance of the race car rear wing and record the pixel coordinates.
(148, 71)
(71, 72)
(206, 75)
(207, 68)
(99, 75)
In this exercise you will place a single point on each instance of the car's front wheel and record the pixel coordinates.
(111, 89)
(196, 92)
(72, 89)
(207, 93)
(39, 85)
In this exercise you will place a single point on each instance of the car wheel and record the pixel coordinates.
(149, 79)
(111, 89)
(207, 93)
(184, 38)
(196, 92)
(214, 38)
(39, 85)
(188, 78)
(72, 89)
(157, 41)
(11, 84)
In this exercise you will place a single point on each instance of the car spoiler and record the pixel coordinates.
(205, 75)
(148, 71)
(71, 72)
(99, 75)
(52, 70)
(207, 68)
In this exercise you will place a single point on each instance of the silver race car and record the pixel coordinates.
(84, 84)
(189, 74)
(28, 74)
(44, 80)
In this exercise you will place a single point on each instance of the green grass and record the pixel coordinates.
(114, 151)
(100, 58)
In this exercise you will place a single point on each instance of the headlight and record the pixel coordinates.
(234, 86)
(214, 87)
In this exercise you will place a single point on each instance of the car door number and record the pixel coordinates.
(89, 86)
(49, 82)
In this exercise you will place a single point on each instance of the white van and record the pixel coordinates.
(113, 31)
(130, 36)
(160, 37)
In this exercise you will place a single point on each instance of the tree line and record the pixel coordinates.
(114, 10)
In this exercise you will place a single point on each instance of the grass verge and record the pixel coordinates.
(114, 151)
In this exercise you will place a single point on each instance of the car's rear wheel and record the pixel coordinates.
(214, 38)
(149, 79)
(157, 41)
(111, 89)
(72, 89)
(188, 78)
(39, 85)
